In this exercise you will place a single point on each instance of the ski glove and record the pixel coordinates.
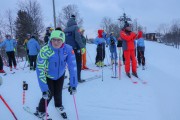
(72, 90)
(46, 95)
(83, 50)
(106, 45)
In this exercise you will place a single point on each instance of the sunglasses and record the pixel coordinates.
(56, 40)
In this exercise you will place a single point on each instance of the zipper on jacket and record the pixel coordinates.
(58, 63)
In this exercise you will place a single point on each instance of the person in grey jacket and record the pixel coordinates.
(73, 38)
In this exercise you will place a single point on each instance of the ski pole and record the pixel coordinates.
(89, 56)
(25, 87)
(46, 108)
(120, 63)
(8, 107)
(75, 107)
(24, 65)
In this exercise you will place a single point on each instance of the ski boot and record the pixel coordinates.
(135, 74)
(62, 112)
(41, 115)
(81, 81)
(128, 74)
(143, 67)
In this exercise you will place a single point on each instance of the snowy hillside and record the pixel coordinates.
(110, 99)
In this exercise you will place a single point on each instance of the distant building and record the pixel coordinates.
(151, 36)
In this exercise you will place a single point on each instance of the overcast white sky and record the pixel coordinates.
(149, 13)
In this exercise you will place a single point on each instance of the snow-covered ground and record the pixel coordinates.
(110, 99)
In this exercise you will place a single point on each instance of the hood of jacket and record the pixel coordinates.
(71, 22)
(100, 33)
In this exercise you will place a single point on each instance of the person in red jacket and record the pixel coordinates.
(128, 45)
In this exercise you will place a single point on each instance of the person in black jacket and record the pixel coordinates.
(47, 35)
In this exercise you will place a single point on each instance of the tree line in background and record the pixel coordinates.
(29, 20)
(170, 34)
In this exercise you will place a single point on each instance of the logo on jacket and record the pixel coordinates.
(61, 35)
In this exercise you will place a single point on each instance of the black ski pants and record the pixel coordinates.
(32, 59)
(1, 63)
(55, 87)
(141, 58)
(11, 58)
(100, 53)
(78, 62)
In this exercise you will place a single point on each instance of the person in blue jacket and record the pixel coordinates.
(51, 64)
(100, 41)
(111, 42)
(10, 45)
(33, 47)
(140, 50)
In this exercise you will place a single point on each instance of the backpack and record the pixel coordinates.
(112, 41)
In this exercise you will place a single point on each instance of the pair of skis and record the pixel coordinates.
(8, 73)
(139, 80)
(86, 80)
(30, 111)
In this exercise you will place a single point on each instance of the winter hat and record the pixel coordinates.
(73, 16)
(100, 33)
(58, 34)
(126, 25)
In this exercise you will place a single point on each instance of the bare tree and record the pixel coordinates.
(10, 22)
(171, 35)
(65, 14)
(109, 26)
(106, 24)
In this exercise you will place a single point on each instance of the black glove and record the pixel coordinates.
(46, 95)
(72, 90)
(106, 45)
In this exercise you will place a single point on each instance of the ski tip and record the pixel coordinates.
(135, 82)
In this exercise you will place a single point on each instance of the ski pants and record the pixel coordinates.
(32, 59)
(55, 87)
(84, 60)
(11, 58)
(130, 56)
(1, 63)
(100, 53)
(113, 51)
(78, 62)
(140, 56)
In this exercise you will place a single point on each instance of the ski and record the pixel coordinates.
(113, 77)
(86, 80)
(92, 70)
(141, 80)
(8, 73)
(28, 110)
(133, 81)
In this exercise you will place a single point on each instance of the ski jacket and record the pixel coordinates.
(51, 63)
(9, 44)
(33, 46)
(128, 40)
(111, 40)
(100, 40)
(83, 40)
(73, 36)
(46, 37)
(140, 44)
